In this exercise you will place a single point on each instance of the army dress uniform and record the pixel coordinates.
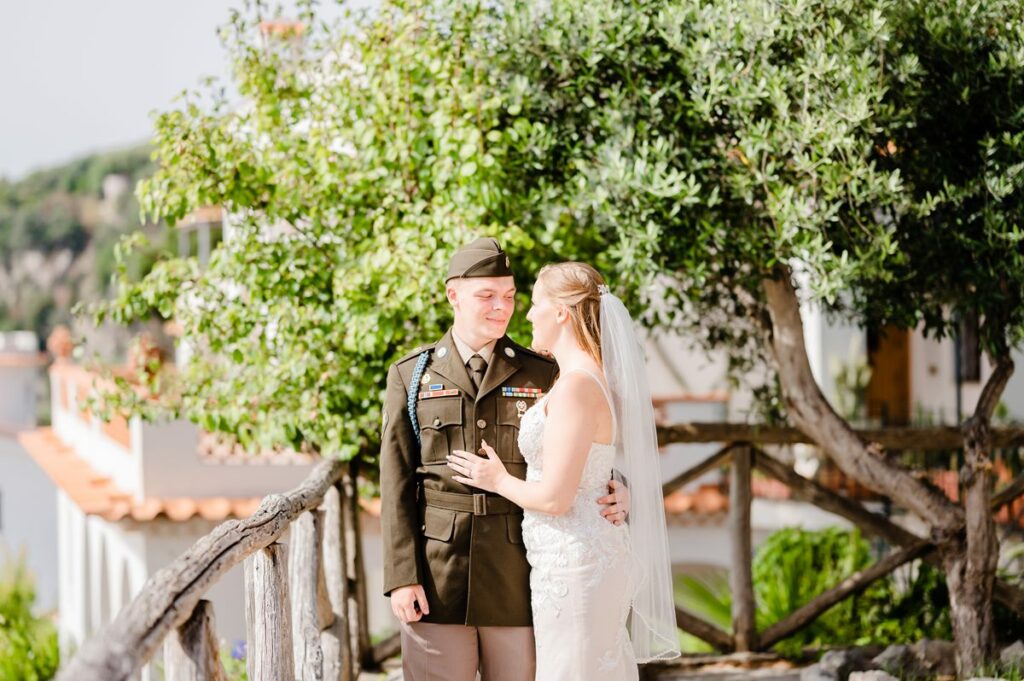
(464, 546)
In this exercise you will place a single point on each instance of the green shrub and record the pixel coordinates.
(28, 645)
(793, 566)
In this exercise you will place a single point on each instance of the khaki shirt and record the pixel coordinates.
(463, 546)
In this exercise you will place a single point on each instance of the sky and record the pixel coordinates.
(82, 76)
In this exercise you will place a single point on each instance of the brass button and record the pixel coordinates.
(481, 423)
(437, 420)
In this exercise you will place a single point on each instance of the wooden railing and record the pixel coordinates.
(306, 604)
(743, 457)
(306, 608)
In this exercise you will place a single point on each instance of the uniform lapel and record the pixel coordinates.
(448, 365)
(504, 362)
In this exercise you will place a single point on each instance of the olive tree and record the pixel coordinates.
(731, 148)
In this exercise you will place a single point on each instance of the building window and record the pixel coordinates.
(969, 348)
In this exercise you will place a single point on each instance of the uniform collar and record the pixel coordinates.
(447, 362)
(466, 352)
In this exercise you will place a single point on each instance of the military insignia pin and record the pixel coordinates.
(520, 408)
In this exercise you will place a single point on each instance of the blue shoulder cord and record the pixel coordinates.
(414, 386)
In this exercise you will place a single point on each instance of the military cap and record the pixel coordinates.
(482, 258)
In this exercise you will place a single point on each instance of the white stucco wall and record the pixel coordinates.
(172, 467)
(28, 519)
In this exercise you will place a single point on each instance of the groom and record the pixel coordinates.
(454, 561)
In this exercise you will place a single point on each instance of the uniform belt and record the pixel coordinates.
(477, 504)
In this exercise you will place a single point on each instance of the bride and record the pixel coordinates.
(601, 593)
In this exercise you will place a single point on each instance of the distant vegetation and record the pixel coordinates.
(58, 228)
(28, 644)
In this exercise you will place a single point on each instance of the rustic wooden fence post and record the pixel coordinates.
(335, 639)
(358, 610)
(740, 577)
(305, 576)
(191, 651)
(267, 615)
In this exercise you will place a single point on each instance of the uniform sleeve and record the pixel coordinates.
(399, 457)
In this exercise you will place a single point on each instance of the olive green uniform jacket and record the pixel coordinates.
(464, 547)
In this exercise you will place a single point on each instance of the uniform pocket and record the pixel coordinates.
(514, 522)
(510, 411)
(440, 427)
(438, 523)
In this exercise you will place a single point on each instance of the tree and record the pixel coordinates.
(730, 148)
(363, 154)
(705, 154)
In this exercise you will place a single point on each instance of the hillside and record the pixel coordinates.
(58, 228)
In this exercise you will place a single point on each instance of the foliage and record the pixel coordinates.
(234, 663)
(954, 119)
(793, 566)
(57, 235)
(707, 596)
(362, 157)
(708, 143)
(689, 149)
(28, 645)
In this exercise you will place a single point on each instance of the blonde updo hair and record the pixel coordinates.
(576, 285)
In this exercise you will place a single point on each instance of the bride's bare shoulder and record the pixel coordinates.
(575, 390)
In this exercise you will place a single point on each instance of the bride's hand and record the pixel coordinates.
(476, 470)
(617, 503)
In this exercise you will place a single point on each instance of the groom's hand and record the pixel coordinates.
(409, 603)
(616, 503)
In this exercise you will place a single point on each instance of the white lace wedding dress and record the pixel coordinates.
(581, 571)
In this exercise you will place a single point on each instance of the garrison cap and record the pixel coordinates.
(482, 258)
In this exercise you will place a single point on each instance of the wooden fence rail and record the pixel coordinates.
(324, 566)
(306, 605)
(742, 457)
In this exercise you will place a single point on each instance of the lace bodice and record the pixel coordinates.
(598, 469)
(583, 521)
(580, 567)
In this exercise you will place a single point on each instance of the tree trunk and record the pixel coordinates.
(970, 561)
(813, 414)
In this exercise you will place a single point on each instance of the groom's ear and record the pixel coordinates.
(452, 294)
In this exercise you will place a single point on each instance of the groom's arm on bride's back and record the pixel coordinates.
(399, 458)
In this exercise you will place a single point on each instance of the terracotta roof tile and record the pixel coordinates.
(22, 359)
(97, 494)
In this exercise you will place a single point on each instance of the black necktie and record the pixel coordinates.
(477, 367)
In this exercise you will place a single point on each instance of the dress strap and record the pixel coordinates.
(607, 397)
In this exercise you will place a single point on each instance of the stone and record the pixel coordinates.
(924, 659)
(895, 659)
(936, 658)
(872, 675)
(837, 665)
(1013, 654)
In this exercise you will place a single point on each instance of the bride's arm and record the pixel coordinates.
(568, 433)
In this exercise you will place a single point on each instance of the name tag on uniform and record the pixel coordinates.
(427, 394)
(531, 393)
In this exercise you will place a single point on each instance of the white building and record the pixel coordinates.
(132, 496)
(28, 509)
